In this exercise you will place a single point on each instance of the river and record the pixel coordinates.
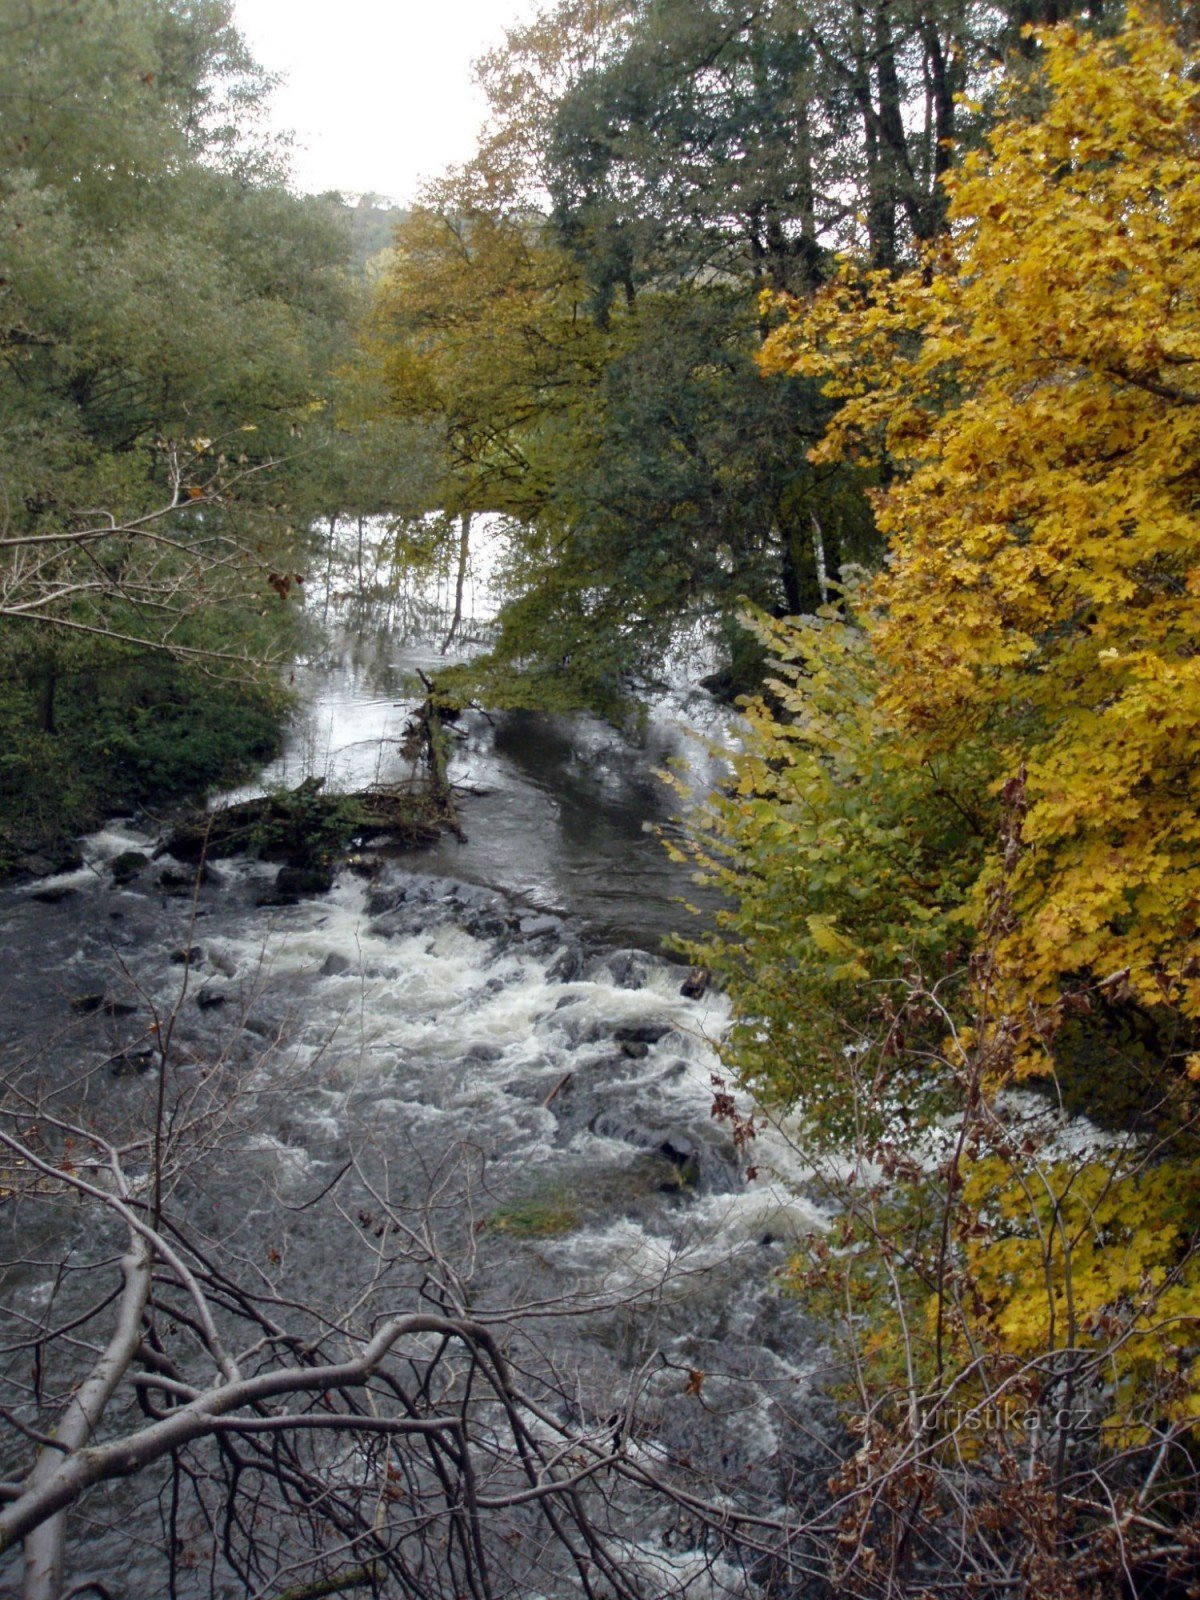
(492, 1021)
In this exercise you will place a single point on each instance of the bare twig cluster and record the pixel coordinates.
(364, 1427)
(138, 579)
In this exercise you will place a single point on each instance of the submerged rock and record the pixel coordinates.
(88, 1004)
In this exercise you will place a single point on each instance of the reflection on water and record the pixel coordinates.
(561, 811)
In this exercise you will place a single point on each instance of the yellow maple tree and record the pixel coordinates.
(1038, 387)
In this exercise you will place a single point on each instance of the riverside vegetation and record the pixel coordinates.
(862, 338)
(171, 320)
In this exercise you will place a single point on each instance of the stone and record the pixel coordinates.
(191, 957)
(55, 859)
(54, 894)
(335, 964)
(642, 1033)
(628, 969)
(296, 883)
(88, 1004)
(484, 1053)
(133, 1063)
(304, 880)
(178, 879)
(130, 864)
(566, 966)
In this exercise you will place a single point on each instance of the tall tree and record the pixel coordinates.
(169, 313)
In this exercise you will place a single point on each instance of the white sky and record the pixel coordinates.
(379, 92)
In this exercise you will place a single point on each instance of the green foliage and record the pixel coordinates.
(170, 314)
(615, 413)
(306, 827)
(844, 863)
(158, 282)
(163, 732)
(693, 148)
(127, 731)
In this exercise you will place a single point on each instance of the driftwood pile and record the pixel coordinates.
(308, 828)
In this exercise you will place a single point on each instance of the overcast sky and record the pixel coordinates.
(379, 92)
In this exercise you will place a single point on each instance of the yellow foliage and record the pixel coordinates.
(477, 329)
(1091, 1269)
(1035, 388)
(1039, 386)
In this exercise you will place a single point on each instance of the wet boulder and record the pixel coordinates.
(90, 1004)
(183, 880)
(625, 969)
(646, 1033)
(697, 983)
(51, 860)
(127, 866)
(53, 894)
(297, 883)
(133, 1063)
(567, 965)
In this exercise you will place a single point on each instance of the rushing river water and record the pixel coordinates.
(496, 1013)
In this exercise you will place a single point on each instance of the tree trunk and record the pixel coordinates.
(894, 151)
(460, 579)
(880, 198)
(329, 563)
(45, 1545)
(820, 561)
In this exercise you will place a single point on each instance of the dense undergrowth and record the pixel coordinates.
(123, 733)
